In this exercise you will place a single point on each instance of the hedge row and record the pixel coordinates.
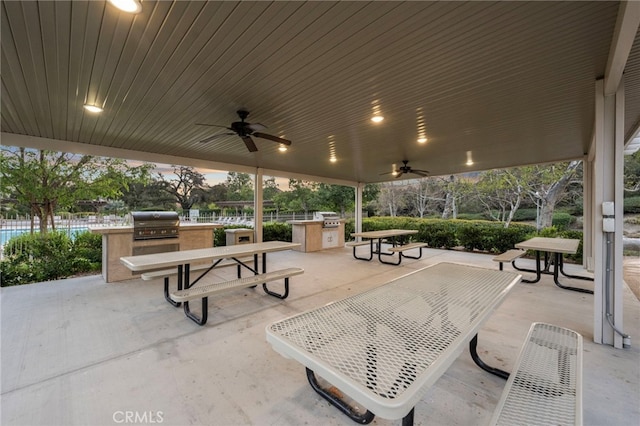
(36, 258)
(30, 258)
(480, 235)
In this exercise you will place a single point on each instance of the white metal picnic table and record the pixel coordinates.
(385, 347)
(182, 261)
(558, 247)
(375, 242)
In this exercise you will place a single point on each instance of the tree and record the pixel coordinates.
(454, 190)
(45, 181)
(392, 198)
(547, 186)
(501, 192)
(302, 195)
(149, 196)
(270, 188)
(337, 198)
(632, 172)
(187, 188)
(239, 186)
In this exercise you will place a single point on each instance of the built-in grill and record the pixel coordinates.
(329, 219)
(155, 225)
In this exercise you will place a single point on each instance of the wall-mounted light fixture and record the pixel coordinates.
(129, 6)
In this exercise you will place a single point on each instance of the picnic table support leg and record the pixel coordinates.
(558, 266)
(575, 277)
(166, 288)
(371, 251)
(408, 419)
(420, 255)
(473, 345)
(346, 409)
(537, 271)
(279, 296)
(202, 320)
(380, 254)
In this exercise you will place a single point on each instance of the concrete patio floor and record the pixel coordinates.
(83, 352)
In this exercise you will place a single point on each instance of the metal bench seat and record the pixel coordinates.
(509, 256)
(204, 291)
(545, 386)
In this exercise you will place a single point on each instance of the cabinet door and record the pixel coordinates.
(329, 239)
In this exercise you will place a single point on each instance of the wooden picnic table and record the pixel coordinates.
(376, 238)
(385, 347)
(557, 247)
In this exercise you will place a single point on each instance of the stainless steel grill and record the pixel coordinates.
(155, 225)
(330, 219)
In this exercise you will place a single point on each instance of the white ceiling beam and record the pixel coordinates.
(12, 139)
(621, 43)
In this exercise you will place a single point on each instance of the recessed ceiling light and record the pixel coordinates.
(282, 147)
(129, 6)
(422, 140)
(469, 159)
(93, 108)
(377, 118)
(333, 159)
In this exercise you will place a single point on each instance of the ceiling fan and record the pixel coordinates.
(245, 131)
(407, 169)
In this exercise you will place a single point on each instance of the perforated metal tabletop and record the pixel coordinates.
(385, 347)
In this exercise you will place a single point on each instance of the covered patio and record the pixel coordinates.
(461, 87)
(78, 351)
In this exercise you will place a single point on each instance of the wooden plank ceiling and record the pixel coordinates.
(506, 83)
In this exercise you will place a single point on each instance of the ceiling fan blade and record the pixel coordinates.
(423, 173)
(400, 173)
(272, 138)
(210, 138)
(256, 127)
(212, 125)
(251, 146)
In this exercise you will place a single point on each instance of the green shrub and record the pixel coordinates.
(491, 237)
(632, 204)
(271, 231)
(438, 233)
(46, 256)
(472, 216)
(522, 215)
(276, 231)
(562, 220)
(87, 251)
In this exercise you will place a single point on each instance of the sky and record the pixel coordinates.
(212, 177)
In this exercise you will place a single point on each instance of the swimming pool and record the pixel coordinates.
(7, 233)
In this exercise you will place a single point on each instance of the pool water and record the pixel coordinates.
(7, 234)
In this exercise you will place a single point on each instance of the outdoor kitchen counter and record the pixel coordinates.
(313, 236)
(117, 241)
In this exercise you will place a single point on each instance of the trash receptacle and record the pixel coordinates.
(239, 236)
